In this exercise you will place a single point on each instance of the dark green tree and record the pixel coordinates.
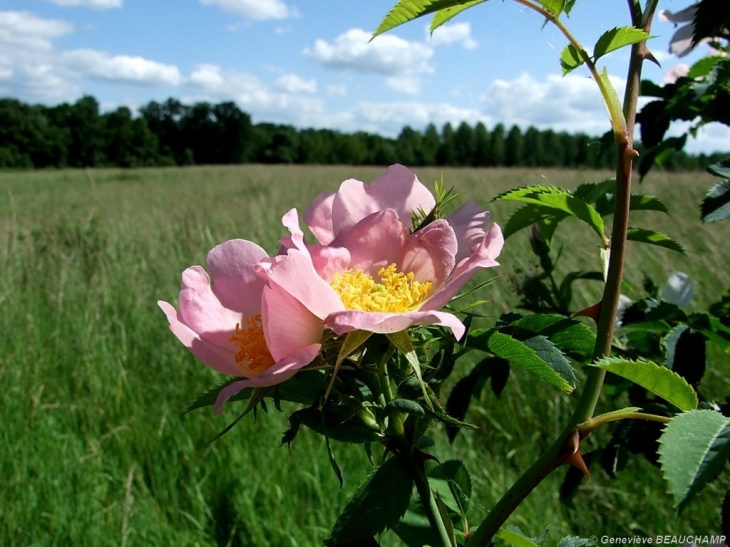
(447, 149)
(513, 154)
(499, 146)
(464, 145)
(482, 146)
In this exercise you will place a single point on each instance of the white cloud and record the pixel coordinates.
(570, 103)
(211, 83)
(337, 90)
(255, 9)
(291, 83)
(390, 118)
(407, 83)
(387, 54)
(450, 34)
(97, 4)
(121, 68)
(25, 30)
(207, 77)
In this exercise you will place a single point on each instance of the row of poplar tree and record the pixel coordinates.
(171, 133)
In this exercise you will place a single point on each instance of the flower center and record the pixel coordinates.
(253, 356)
(397, 292)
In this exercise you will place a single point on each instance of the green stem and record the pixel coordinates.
(589, 425)
(428, 502)
(623, 129)
(396, 432)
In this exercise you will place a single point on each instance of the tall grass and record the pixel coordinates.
(94, 448)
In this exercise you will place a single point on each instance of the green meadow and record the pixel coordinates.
(94, 449)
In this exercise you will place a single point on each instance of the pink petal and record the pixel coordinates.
(235, 282)
(468, 223)
(429, 253)
(201, 310)
(397, 189)
(295, 274)
(684, 16)
(329, 260)
(318, 217)
(374, 242)
(288, 326)
(682, 41)
(388, 323)
(483, 256)
(276, 374)
(291, 221)
(215, 357)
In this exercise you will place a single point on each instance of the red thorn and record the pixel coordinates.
(574, 456)
(389, 447)
(593, 312)
(649, 56)
(423, 457)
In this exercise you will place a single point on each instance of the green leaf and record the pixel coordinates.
(716, 204)
(529, 215)
(447, 14)
(404, 406)
(327, 423)
(661, 381)
(591, 191)
(556, 198)
(378, 503)
(652, 237)
(408, 10)
(642, 202)
(555, 7)
(415, 530)
(721, 169)
(452, 481)
(536, 354)
(570, 336)
(686, 353)
(694, 448)
(570, 59)
(513, 538)
(616, 38)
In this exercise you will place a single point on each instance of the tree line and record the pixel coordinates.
(171, 133)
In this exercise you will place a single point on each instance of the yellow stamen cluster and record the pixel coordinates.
(397, 292)
(253, 355)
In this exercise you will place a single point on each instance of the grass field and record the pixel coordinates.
(94, 448)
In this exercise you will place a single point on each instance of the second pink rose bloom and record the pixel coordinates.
(370, 272)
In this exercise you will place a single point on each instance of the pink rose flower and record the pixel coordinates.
(372, 273)
(681, 43)
(240, 326)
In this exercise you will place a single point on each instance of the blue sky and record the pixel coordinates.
(309, 63)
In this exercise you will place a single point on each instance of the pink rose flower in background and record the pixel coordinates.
(239, 325)
(681, 43)
(371, 273)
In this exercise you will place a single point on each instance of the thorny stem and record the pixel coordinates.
(623, 129)
(396, 432)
